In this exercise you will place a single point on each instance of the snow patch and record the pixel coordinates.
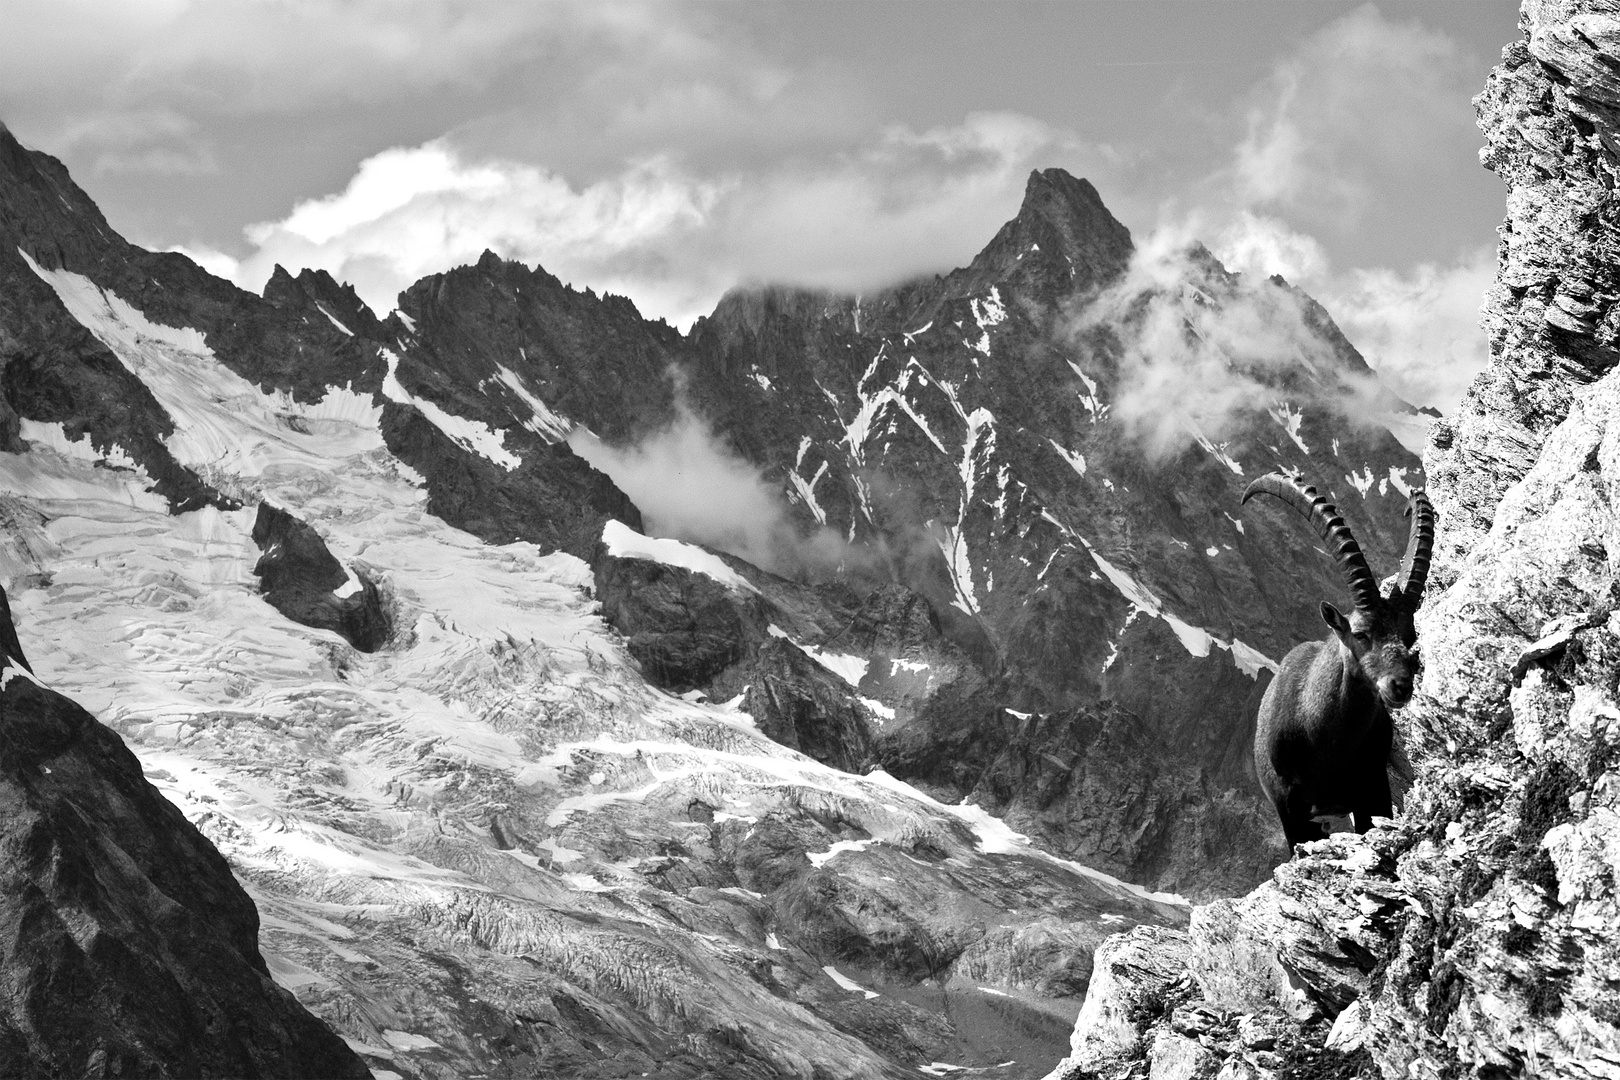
(472, 435)
(1094, 404)
(847, 983)
(334, 319)
(625, 543)
(1289, 418)
(822, 858)
(406, 1042)
(911, 335)
(806, 489)
(1076, 461)
(878, 708)
(544, 423)
(852, 669)
(1218, 452)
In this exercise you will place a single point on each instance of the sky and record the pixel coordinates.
(671, 151)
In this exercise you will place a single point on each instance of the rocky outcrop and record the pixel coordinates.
(551, 497)
(804, 706)
(303, 581)
(126, 946)
(685, 628)
(1477, 934)
(1549, 113)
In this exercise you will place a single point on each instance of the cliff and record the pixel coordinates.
(1479, 934)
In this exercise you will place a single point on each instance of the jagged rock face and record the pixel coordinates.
(304, 582)
(552, 497)
(684, 627)
(804, 706)
(1551, 314)
(126, 946)
(1478, 935)
(496, 337)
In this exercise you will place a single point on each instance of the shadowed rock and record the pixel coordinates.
(801, 704)
(302, 579)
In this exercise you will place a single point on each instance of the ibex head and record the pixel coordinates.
(1378, 631)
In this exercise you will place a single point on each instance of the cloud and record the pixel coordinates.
(415, 211)
(157, 140)
(1366, 106)
(1364, 102)
(907, 203)
(690, 485)
(1199, 357)
(1418, 329)
(1261, 246)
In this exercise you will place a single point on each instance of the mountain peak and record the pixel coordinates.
(1062, 226)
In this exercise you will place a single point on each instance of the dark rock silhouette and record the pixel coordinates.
(300, 578)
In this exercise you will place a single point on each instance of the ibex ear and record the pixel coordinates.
(1335, 618)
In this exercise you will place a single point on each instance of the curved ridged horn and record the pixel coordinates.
(1415, 563)
(1334, 532)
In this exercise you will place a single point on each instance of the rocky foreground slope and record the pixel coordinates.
(1480, 934)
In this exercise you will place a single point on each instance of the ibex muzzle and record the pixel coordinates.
(1323, 736)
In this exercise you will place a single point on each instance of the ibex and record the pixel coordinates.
(1324, 732)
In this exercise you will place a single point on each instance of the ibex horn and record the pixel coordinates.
(1415, 563)
(1334, 532)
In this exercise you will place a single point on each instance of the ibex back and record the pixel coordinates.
(1323, 737)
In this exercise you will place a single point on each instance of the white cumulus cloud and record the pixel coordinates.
(906, 203)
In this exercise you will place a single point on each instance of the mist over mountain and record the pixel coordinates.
(804, 695)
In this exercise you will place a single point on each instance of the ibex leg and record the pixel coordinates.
(1297, 822)
(1375, 800)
